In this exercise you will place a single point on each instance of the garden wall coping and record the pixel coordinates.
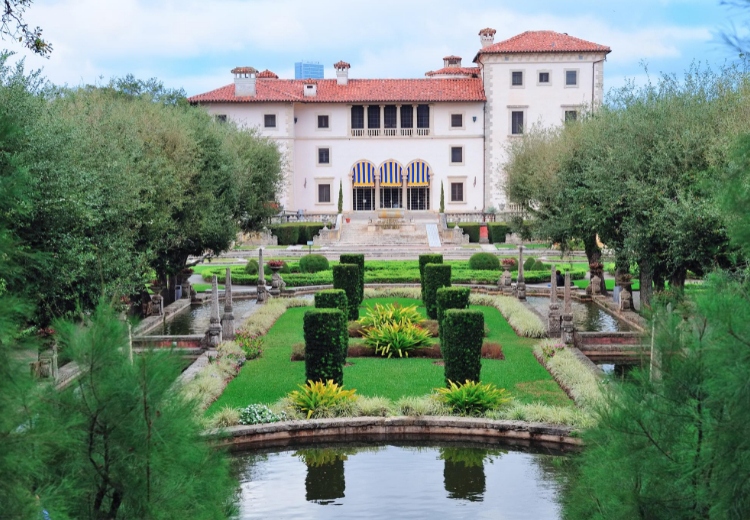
(384, 428)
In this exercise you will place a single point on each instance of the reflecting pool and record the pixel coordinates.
(587, 316)
(445, 480)
(195, 320)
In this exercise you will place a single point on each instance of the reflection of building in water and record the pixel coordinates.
(391, 143)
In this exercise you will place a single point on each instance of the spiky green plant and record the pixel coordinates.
(317, 398)
(472, 397)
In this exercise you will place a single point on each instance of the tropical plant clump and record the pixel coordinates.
(317, 398)
(472, 397)
(251, 346)
(259, 414)
(393, 329)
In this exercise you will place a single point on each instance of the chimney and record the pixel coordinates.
(342, 72)
(452, 61)
(487, 37)
(310, 88)
(244, 81)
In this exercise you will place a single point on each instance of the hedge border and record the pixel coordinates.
(463, 335)
(435, 277)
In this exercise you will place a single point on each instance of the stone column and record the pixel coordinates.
(366, 125)
(414, 120)
(377, 191)
(214, 327)
(553, 325)
(520, 284)
(567, 317)
(398, 119)
(382, 119)
(404, 202)
(262, 295)
(227, 320)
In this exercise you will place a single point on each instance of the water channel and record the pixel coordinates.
(195, 320)
(413, 480)
(587, 316)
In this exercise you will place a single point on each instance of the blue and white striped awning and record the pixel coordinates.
(363, 174)
(418, 174)
(390, 173)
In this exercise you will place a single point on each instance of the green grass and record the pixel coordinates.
(272, 376)
(525, 246)
(608, 283)
(202, 287)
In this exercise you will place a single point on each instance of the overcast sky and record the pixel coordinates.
(194, 44)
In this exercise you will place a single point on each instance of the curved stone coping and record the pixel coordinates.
(389, 428)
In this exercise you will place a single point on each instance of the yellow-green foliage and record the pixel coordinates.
(522, 319)
(390, 314)
(572, 373)
(316, 398)
(543, 413)
(418, 406)
(473, 397)
(396, 292)
(397, 338)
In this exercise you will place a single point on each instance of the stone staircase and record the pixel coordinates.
(360, 235)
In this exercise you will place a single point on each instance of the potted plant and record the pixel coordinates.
(508, 263)
(348, 220)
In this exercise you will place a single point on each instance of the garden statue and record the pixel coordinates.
(214, 327)
(553, 325)
(596, 285)
(227, 320)
(567, 316)
(626, 301)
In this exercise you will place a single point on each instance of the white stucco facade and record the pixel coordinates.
(473, 114)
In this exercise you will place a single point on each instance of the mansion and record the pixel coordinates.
(391, 143)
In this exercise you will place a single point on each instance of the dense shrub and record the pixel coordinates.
(313, 263)
(497, 232)
(471, 229)
(358, 260)
(316, 398)
(435, 277)
(529, 264)
(251, 268)
(540, 266)
(461, 344)
(324, 331)
(451, 298)
(429, 258)
(346, 277)
(334, 299)
(484, 262)
(472, 397)
(297, 233)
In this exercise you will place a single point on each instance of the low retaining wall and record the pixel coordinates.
(390, 428)
(188, 341)
(611, 345)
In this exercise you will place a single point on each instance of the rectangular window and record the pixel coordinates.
(571, 78)
(221, 118)
(373, 117)
(324, 156)
(358, 116)
(516, 122)
(423, 116)
(269, 120)
(322, 121)
(516, 79)
(457, 154)
(324, 193)
(407, 116)
(457, 191)
(389, 116)
(571, 115)
(457, 120)
(544, 77)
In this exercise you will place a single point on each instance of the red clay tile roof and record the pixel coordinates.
(456, 71)
(543, 41)
(341, 65)
(267, 74)
(356, 91)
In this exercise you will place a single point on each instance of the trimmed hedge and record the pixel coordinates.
(484, 262)
(461, 345)
(451, 298)
(325, 351)
(334, 299)
(497, 232)
(346, 277)
(471, 229)
(430, 258)
(297, 233)
(358, 260)
(313, 263)
(528, 264)
(251, 268)
(435, 277)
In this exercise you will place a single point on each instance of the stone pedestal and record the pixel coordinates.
(521, 285)
(227, 319)
(626, 296)
(505, 281)
(214, 327)
(567, 316)
(276, 281)
(553, 324)
(262, 291)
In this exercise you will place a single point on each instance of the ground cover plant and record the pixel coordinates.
(270, 378)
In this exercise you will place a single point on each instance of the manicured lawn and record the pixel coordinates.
(608, 283)
(525, 246)
(269, 378)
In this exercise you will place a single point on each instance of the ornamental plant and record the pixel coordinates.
(359, 261)
(380, 315)
(259, 414)
(430, 258)
(451, 298)
(325, 348)
(313, 263)
(397, 338)
(250, 345)
(472, 397)
(316, 397)
(435, 277)
(276, 263)
(484, 262)
(346, 277)
(462, 335)
(509, 262)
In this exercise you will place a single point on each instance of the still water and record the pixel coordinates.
(195, 320)
(400, 481)
(587, 316)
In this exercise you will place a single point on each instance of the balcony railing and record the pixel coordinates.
(390, 132)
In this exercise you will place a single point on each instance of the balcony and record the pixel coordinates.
(389, 132)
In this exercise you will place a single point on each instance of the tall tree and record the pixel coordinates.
(13, 25)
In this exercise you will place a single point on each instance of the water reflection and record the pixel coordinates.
(587, 316)
(196, 319)
(400, 481)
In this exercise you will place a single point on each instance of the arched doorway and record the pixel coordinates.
(363, 186)
(418, 185)
(391, 192)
